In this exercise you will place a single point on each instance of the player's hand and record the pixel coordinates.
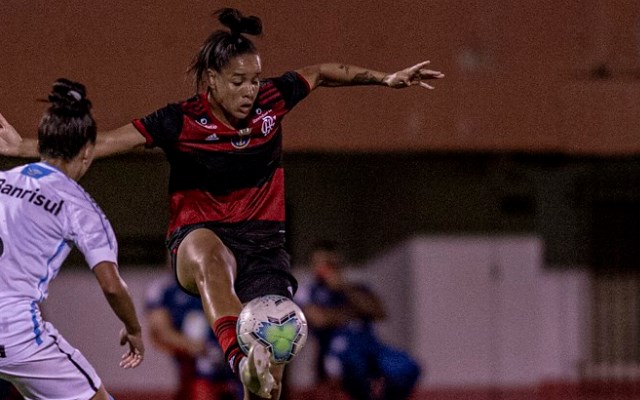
(10, 139)
(415, 75)
(135, 355)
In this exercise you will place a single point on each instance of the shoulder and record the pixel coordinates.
(194, 107)
(290, 87)
(77, 197)
(164, 125)
(289, 78)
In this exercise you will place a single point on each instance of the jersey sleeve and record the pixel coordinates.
(162, 127)
(293, 88)
(92, 233)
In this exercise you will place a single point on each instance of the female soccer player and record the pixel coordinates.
(43, 212)
(224, 145)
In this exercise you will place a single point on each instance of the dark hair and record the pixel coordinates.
(221, 46)
(67, 125)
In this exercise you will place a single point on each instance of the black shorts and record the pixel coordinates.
(261, 269)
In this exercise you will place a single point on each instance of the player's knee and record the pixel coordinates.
(204, 250)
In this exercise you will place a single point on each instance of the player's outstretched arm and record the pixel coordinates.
(121, 140)
(117, 141)
(332, 74)
(13, 145)
(117, 294)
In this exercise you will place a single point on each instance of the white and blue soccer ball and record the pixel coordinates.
(274, 322)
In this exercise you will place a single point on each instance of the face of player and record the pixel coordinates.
(235, 88)
(326, 264)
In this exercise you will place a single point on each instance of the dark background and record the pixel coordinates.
(586, 209)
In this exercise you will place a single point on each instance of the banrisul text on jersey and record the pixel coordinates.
(31, 196)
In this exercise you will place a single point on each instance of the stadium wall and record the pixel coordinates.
(541, 76)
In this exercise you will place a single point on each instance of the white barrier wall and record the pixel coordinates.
(78, 309)
(483, 311)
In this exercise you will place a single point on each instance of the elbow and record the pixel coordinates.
(115, 289)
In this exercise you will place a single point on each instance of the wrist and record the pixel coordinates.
(386, 80)
(134, 329)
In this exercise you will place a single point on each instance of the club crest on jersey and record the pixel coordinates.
(242, 140)
(268, 122)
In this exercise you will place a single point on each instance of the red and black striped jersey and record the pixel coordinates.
(223, 174)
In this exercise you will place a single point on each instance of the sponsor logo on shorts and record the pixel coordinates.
(3, 353)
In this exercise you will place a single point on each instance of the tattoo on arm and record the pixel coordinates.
(341, 75)
(364, 78)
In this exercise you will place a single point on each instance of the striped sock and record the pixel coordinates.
(225, 330)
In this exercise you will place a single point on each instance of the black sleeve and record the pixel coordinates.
(162, 127)
(293, 88)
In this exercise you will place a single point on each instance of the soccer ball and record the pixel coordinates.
(274, 322)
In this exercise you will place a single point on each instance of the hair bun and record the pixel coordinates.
(69, 96)
(239, 24)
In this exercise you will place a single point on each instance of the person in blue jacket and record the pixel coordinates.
(341, 316)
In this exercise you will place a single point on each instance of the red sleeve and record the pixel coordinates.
(162, 127)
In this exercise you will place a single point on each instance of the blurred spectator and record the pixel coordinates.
(340, 316)
(177, 325)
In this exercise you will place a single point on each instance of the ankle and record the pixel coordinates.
(225, 330)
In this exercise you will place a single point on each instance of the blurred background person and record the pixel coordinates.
(341, 316)
(178, 326)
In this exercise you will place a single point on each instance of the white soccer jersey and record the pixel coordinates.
(43, 213)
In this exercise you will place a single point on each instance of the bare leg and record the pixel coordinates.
(206, 266)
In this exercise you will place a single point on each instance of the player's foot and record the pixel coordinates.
(255, 374)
